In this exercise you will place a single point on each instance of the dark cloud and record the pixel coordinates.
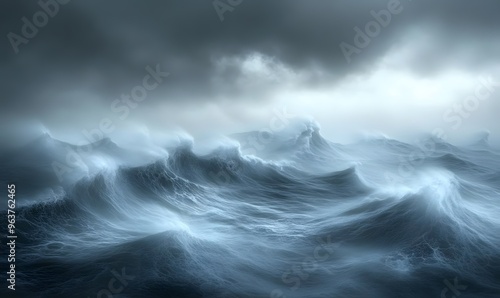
(103, 47)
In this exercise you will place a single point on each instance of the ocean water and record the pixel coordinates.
(288, 214)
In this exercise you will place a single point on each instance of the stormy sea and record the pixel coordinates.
(263, 214)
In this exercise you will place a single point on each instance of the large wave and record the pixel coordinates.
(298, 217)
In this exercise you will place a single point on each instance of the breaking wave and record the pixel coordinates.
(299, 216)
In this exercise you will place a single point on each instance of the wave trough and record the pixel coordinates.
(299, 217)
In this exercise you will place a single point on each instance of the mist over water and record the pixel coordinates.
(131, 165)
(296, 216)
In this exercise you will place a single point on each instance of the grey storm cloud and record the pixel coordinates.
(103, 47)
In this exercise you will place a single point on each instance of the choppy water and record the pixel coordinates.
(299, 217)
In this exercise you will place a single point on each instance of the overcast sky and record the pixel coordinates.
(394, 67)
